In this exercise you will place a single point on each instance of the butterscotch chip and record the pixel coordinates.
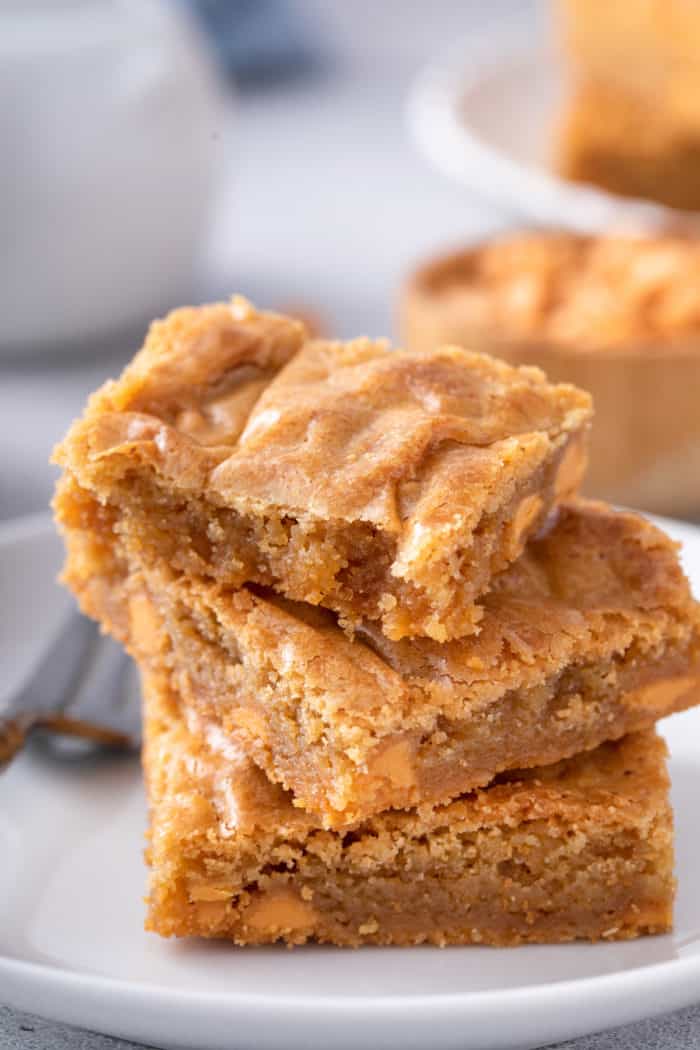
(528, 511)
(581, 849)
(591, 634)
(211, 914)
(209, 891)
(277, 912)
(379, 483)
(396, 764)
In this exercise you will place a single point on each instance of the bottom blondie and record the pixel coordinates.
(580, 849)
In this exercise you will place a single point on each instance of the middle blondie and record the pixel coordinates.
(592, 634)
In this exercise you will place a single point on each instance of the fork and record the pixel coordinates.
(80, 686)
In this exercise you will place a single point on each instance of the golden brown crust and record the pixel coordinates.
(196, 356)
(347, 427)
(582, 849)
(591, 634)
(380, 483)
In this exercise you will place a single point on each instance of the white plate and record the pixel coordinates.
(485, 115)
(72, 945)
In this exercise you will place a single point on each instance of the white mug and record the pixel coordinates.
(109, 121)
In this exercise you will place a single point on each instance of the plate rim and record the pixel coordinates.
(542, 1014)
(375, 1004)
(452, 146)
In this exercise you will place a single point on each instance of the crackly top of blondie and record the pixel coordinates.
(360, 431)
(194, 769)
(235, 402)
(589, 292)
(203, 356)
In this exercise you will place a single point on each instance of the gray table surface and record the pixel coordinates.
(324, 202)
(678, 1031)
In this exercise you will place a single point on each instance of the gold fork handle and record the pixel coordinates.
(86, 730)
(14, 732)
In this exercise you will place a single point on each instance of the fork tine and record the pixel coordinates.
(80, 686)
(57, 671)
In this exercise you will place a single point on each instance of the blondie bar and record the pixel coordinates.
(387, 485)
(582, 849)
(647, 49)
(591, 634)
(637, 151)
(632, 122)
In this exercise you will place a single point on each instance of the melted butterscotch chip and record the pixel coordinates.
(395, 763)
(274, 913)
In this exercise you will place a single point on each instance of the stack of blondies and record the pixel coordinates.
(400, 684)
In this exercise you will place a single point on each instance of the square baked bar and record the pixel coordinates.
(386, 485)
(647, 49)
(581, 849)
(636, 63)
(637, 151)
(593, 633)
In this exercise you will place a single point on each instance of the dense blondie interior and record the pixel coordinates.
(582, 849)
(591, 634)
(387, 485)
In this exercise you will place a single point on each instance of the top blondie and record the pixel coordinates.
(387, 485)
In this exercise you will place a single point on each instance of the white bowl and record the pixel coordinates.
(485, 115)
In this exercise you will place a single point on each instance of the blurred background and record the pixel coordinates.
(313, 155)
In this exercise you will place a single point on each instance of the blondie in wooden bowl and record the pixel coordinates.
(618, 316)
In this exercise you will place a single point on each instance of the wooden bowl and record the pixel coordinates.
(645, 446)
